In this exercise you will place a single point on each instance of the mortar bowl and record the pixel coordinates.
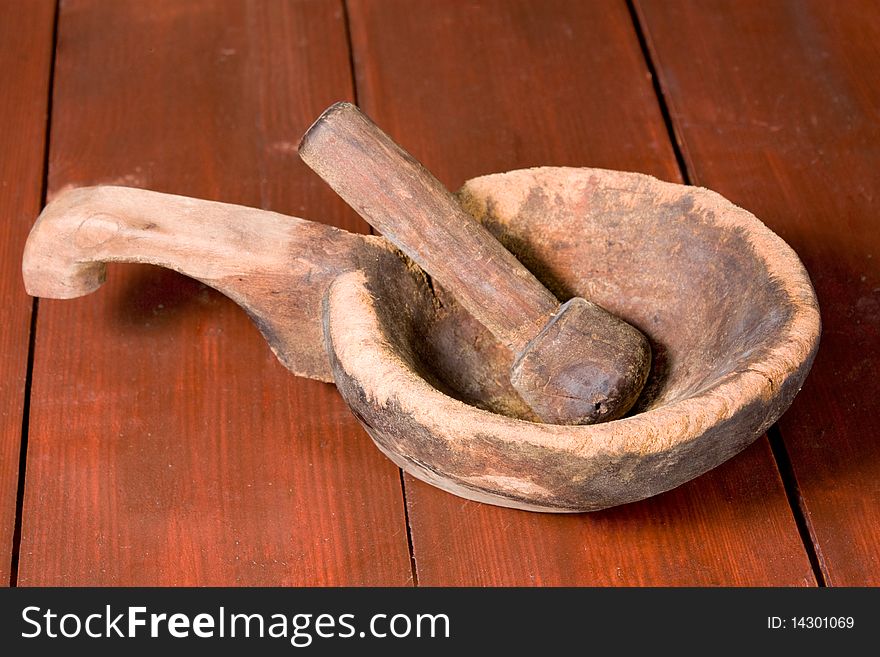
(728, 307)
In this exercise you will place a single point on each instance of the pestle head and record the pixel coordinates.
(585, 366)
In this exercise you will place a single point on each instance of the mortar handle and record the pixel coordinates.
(276, 267)
(411, 208)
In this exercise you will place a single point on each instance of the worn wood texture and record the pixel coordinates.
(572, 364)
(25, 66)
(275, 266)
(403, 201)
(776, 106)
(167, 445)
(732, 361)
(474, 89)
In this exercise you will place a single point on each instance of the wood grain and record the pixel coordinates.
(727, 373)
(474, 88)
(402, 200)
(167, 445)
(25, 67)
(563, 377)
(777, 107)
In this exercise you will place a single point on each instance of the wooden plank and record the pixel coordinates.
(776, 105)
(25, 68)
(167, 445)
(472, 88)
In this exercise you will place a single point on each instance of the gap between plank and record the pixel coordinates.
(32, 336)
(22, 454)
(777, 445)
(796, 502)
(409, 541)
(354, 88)
(352, 71)
(661, 96)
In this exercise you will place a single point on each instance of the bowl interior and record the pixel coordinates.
(676, 262)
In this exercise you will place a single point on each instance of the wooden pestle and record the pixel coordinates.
(574, 363)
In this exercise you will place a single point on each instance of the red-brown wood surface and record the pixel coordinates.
(471, 88)
(777, 106)
(25, 65)
(167, 446)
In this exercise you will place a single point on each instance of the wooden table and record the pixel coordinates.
(149, 437)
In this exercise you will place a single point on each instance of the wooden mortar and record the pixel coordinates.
(729, 309)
